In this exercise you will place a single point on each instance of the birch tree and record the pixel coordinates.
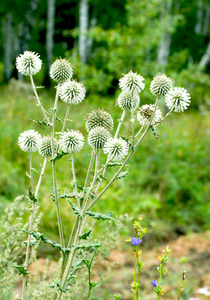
(83, 26)
(7, 37)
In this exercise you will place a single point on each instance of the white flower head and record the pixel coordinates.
(98, 136)
(146, 115)
(99, 117)
(28, 63)
(117, 148)
(160, 85)
(72, 92)
(29, 140)
(178, 99)
(132, 82)
(71, 141)
(45, 147)
(128, 100)
(61, 70)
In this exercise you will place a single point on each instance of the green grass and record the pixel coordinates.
(168, 180)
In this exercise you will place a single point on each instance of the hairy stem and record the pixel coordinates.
(74, 181)
(38, 100)
(120, 124)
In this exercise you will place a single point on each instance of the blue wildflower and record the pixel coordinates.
(136, 241)
(154, 283)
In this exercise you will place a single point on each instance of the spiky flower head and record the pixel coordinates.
(98, 136)
(29, 140)
(71, 141)
(99, 117)
(146, 115)
(128, 100)
(132, 82)
(72, 92)
(178, 99)
(28, 63)
(61, 70)
(161, 85)
(116, 148)
(45, 147)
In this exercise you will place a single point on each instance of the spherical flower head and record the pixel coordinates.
(45, 147)
(72, 92)
(99, 117)
(128, 100)
(116, 148)
(29, 140)
(161, 85)
(178, 99)
(136, 241)
(146, 115)
(71, 141)
(98, 136)
(154, 283)
(28, 63)
(132, 82)
(61, 70)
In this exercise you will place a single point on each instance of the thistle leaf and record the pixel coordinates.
(22, 270)
(99, 216)
(129, 143)
(58, 156)
(74, 208)
(122, 174)
(85, 235)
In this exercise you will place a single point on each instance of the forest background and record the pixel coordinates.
(170, 183)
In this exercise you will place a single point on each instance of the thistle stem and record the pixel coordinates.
(38, 100)
(41, 176)
(54, 170)
(74, 180)
(66, 118)
(120, 123)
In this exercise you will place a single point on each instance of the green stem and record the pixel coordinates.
(74, 180)
(120, 123)
(66, 118)
(54, 170)
(30, 228)
(38, 100)
(89, 277)
(41, 176)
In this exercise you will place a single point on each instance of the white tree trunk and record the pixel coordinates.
(7, 34)
(198, 26)
(50, 31)
(83, 26)
(205, 58)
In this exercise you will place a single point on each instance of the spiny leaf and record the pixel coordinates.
(114, 164)
(22, 270)
(101, 177)
(129, 143)
(42, 123)
(32, 196)
(154, 130)
(87, 245)
(74, 208)
(122, 174)
(85, 235)
(38, 235)
(58, 156)
(99, 216)
(59, 120)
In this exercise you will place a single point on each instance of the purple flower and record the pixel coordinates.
(154, 283)
(136, 241)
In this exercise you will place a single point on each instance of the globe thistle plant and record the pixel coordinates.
(116, 148)
(178, 99)
(72, 92)
(28, 63)
(29, 140)
(132, 82)
(98, 136)
(128, 100)
(71, 141)
(61, 70)
(146, 115)
(45, 147)
(99, 117)
(161, 85)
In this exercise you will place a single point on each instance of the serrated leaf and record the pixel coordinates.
(85, 235)
(154, 130)
(42, 123)
(58, 156)
(122, 175)
(74, 208)
(87, 245)
(40, 236)
(114, 164)
(32, 196)
(22, 270)
(129, 143)
(101, 177)
(59, 120)
(99, 216)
